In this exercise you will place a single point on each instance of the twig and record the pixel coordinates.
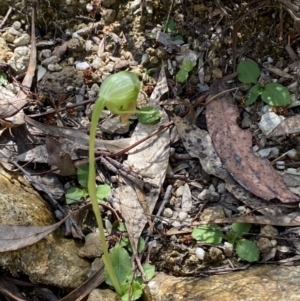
(219, 94)
(161, 128)
(6, 16)
(167, 197)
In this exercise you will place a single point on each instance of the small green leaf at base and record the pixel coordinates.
(122, 266)
(149, 270)
(132, 291)
(241, 228)
(247, 250)
(75, 194)
(2, 78)
(248, 72)
(210, 234)
(182, 76)
(276, 95)
(103, 192)
(82, 175)
(253, 94)
(150, 117)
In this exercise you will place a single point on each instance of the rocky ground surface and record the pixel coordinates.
(80, 43)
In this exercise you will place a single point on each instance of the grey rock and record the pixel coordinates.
(92, 247)
(14, 32)
(24, 39)
(54, 67)
(168, 212)
(17, 25)
(212, 213)
(258, 283)
(51, 60)
(103, 295)
(53, 260)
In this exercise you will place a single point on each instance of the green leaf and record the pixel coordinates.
(188, 65)
(241, 228)
(124, 241)
(82, 175)
(103, 192)
(122, 266)
(149, 270)
(177, 37)
(141, 245)
(182, 76)
(247, 250)
(122, 227)
(276, 95)
(74, 195)
(248, 72)
(132, 291)
(210, 234)
(253, 94)
(2, 77)
(150, 117)
(169, 26)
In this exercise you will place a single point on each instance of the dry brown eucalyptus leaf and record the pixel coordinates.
(59, 158)
(17, 237)
(234, 147)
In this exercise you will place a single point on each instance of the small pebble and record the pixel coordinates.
(168, 212)
(200, 253)
(283, 249)
(221, 188)
(203, 195)
(176, 224)
(82, 66)
(54, 67)
(182, 216)
(280, 165)
(24, 39)
(17, 25)
(228, 249)
(212, 188)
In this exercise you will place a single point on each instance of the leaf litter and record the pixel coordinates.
(149, 158)
(234, 147)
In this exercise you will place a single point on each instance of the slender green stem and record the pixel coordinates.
(99, 105)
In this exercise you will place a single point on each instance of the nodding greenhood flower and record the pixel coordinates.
(120, 92)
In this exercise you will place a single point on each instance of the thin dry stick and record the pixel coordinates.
(6, 16)
(219, 94)
(163, 127)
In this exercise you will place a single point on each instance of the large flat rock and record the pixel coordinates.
(54, 259)
(259, 283)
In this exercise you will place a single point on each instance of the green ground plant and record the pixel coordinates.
(244, 248)
(118, 93)
(273, 94)
(76, 194)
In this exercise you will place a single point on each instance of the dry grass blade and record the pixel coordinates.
(234, 147)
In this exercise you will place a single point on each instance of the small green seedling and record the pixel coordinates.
(273, 94)
(169, 27)
(186, 67)
(212, 234)
(118, 93)
(2, 78)
(130, 284)
(76, 194)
